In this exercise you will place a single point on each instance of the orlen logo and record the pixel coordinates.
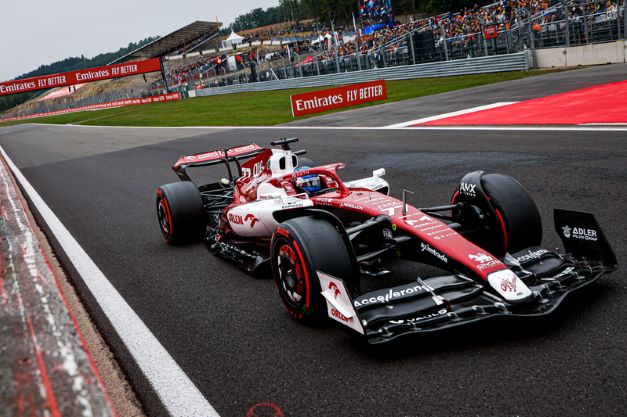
(333, 286)
(252, 219)
(235, 218)
(467, 189)
(339, 315)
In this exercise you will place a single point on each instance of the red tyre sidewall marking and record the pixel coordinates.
(454, 197)
(505, 239)
(167, 213)
(305, 272)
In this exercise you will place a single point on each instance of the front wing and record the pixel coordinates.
(444, 302)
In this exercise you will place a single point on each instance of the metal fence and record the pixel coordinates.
(497, 63)
(413, 55)
(575, 22)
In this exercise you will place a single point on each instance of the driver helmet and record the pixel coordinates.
(309, 183)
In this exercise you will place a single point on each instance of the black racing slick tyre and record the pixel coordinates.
(518, 214)
(300, 247)
(181, 214)
(509, 218)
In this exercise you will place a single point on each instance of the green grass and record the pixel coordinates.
(258, 108)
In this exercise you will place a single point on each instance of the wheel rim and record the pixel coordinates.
(163, 213)
(292, 283)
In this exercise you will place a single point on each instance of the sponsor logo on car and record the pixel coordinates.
(421, 223)
(351, 206)
(255, 171)
(567, 230)
(427, 248)
(339, 315)
(438, 313)
(480, 257)
(565, 272)
(483, 260)
(580, 233)
(390, 296)
(509, 284)
(335, 289)
(531, 255)
(214, 154)
(235, 218)
(467, 189)
(252, 219)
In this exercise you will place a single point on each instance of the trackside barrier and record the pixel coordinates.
(488, 64)
(101, 106)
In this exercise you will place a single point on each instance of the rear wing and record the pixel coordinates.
(224, 156)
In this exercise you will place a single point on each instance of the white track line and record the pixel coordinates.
(178, 394)
(521, 128)
(451, 114)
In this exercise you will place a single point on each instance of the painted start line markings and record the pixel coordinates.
(176, 391)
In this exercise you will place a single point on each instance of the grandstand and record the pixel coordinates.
(185, 39)
(192, 57)
(519, 25)
(195, 35)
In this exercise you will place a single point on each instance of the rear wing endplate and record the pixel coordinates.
(216, 157)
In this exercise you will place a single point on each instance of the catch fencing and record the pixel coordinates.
(497, 63)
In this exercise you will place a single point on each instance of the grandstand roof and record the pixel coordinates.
(173, 41)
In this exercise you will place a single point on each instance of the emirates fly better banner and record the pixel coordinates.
(333, 98)
(80, 76)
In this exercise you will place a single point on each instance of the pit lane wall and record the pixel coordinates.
(592, 54)
(45, 368)
(101, 106)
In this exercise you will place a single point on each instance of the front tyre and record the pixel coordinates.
(181, 213)
(300, 247)
(508, 215)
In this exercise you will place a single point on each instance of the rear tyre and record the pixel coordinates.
(181, 214)
(300, 247)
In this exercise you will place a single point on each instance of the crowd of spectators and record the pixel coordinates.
(462, 27)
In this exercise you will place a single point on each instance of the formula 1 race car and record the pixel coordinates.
(326, 241)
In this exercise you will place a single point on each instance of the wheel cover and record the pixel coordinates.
(292, 282)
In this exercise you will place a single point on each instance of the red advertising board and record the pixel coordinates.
(333, 98)
(490, 32)
(81, 76)
(101, 106)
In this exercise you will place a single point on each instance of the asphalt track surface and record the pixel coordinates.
(229, 333)
(516, 90)
(227, 330)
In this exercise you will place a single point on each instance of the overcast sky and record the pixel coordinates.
(35, 32)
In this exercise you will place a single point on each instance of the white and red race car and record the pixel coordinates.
(348, 250)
